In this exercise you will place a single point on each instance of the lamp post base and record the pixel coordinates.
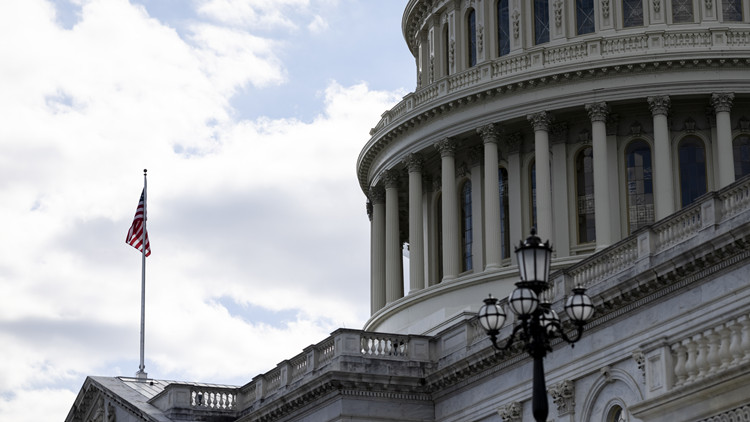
(539, 405)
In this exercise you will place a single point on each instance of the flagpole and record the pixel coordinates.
(141, 374)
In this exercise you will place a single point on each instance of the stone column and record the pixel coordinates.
(662, 162)
(451, 258)
(602, 213)
(416, 231)
(377, 249)
(515, 209)
(558, 138)
(724, 161)
(493, 246)
(540, 122)
(394, 287)
(477, 210)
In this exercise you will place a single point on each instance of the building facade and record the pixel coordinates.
(620, 130)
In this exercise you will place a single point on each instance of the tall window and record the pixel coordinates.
(682, 11)
(640, 188)
(532, 183)
(503, 28)
(446, 51)
(472, 25)
(541, 21)
(585, 195)
(741, 156)
(466, 225)
(584, 16)
(502, 176)
(632, 13)
(692, 156)
(731, 10)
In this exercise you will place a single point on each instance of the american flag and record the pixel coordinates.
(135, 234)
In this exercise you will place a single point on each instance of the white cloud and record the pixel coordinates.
(263, 14)
(264, 215)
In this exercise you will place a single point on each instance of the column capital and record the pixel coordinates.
(414, 162)
(475, 154)
(540, 120)
(559, 132)
(447, 147)
(490, 133)
(377, 194)
(598, 112)
(390, 178)
(659, 104)
(722, 101)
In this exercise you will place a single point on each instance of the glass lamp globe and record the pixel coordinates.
(523, 302)
(579, 307)
(491, 315)
(549, 320)
(534, 259)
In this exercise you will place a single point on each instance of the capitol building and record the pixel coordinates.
(620, 131)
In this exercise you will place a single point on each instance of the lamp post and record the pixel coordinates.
(539, 324)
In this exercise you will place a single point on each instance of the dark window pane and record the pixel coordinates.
(472, 21)
(585, 193)
(533, 194)
(632, 13)
(541, 21)
(504, 214)
(732, 10)
(584, 16)
(682, 11)
(741, 156)
(640, 191)
(692, 156)
(466, 225)
(503, 28)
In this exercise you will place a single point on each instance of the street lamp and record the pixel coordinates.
(538, 322)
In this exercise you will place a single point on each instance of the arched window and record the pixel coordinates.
(532, 183)
(692, 156)
(472, 27)
(632, 13)
(503, 28)
(585, 195)
(616, 414)
(584, 16)
(467, 236)
(502, 176)
(541, 21)
(640, 188)
(741, 146)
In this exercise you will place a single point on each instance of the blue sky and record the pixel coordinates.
(249, 115)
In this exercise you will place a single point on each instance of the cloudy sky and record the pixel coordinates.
(249, 116)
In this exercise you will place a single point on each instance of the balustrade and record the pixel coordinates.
(712, 351)
(213, 398)
(734, 200)
(674, 230)
(374, 344)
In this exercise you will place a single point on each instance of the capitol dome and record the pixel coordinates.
(636, 108)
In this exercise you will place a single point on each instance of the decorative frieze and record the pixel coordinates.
(659, 104)
(563, 395)
(511, 412)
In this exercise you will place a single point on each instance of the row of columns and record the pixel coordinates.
(386, 248)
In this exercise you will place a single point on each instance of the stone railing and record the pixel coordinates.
(542, 62)
(683, 226)
(210, 398)
(716, 350)
(325, 355)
